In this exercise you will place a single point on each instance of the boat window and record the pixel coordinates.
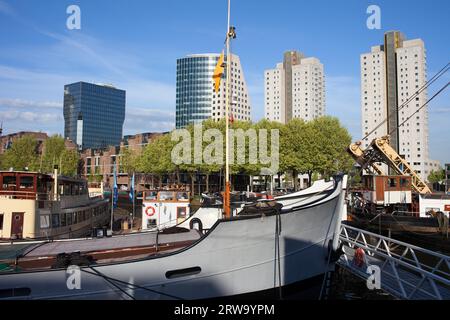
(9, 182)
(1, 221)
(67, 190)
(45, 221)
(183, 272)
(69, 219)
(404, 183)
(182, 196)
(166, 196)
(26, 182)
(55, 220)
(392, 182)
(152, 195)
(181, 212)
(63, 219)
(368, 182)
(151, 223)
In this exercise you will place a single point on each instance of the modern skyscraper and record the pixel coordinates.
(93, 114)
(295, 89)
(196, 98)
(390, 75)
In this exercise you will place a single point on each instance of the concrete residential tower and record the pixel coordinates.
(196, 99)
(390, 75)
(295, 89)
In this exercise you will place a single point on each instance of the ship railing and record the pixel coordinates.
(406, 271)
(25, 195)
(405, 213)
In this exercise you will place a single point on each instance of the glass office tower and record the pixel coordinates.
(93, 114)
(196, 98)
(194, 88)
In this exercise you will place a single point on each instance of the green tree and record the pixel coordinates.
(332, 140)
(52, 153)
(69, 162)
(315, 147)
(205, 168)
(21, 155)
(55, 153)
(95, 176)
(156, 158)
(128, 160)
(295, 149)
(436, 176)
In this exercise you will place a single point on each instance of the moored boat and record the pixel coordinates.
(43, 206)
(257, 251)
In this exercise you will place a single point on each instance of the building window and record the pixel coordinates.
(1, 221)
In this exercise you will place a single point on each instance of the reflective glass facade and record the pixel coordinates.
(102, 109)
(194, 88)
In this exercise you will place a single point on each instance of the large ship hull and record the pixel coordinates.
(246, 254)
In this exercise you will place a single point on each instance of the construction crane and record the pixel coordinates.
(381, 151)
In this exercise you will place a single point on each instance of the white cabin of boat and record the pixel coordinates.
(164, 208)
(31, 208)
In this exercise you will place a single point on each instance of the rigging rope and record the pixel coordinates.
(425, 86)
(108, 279)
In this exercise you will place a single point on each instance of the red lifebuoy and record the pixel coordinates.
(359, 257)
(150, 211)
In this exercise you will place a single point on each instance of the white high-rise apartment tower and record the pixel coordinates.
(390, 75)
(196, 99)
(295, 89)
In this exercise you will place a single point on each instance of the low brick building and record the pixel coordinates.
(7, 141)
(98, 164)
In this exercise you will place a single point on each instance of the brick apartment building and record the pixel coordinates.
(7, 141)
(98, 164)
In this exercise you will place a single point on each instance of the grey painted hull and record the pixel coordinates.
(236, 257)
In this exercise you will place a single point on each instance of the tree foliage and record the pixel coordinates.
(156, 157)
(129, 160)
(55, 153)
(24, 153)
(436, 176)
(21, 155)
(314, 148)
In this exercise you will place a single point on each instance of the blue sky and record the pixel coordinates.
(134, 45)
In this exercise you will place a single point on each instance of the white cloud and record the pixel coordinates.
(148, 120)
(20, 103)
(440, 110)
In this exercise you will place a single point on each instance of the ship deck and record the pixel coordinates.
(99, 250)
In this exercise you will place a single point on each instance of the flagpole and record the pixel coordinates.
(226, 202)
(112, 198)
(134, 201)
(112, 208)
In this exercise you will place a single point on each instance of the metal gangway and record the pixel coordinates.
(405, 271)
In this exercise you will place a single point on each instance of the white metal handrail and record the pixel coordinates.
(400, 256)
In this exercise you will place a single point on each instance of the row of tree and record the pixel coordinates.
(314, 148)
(25, 154)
